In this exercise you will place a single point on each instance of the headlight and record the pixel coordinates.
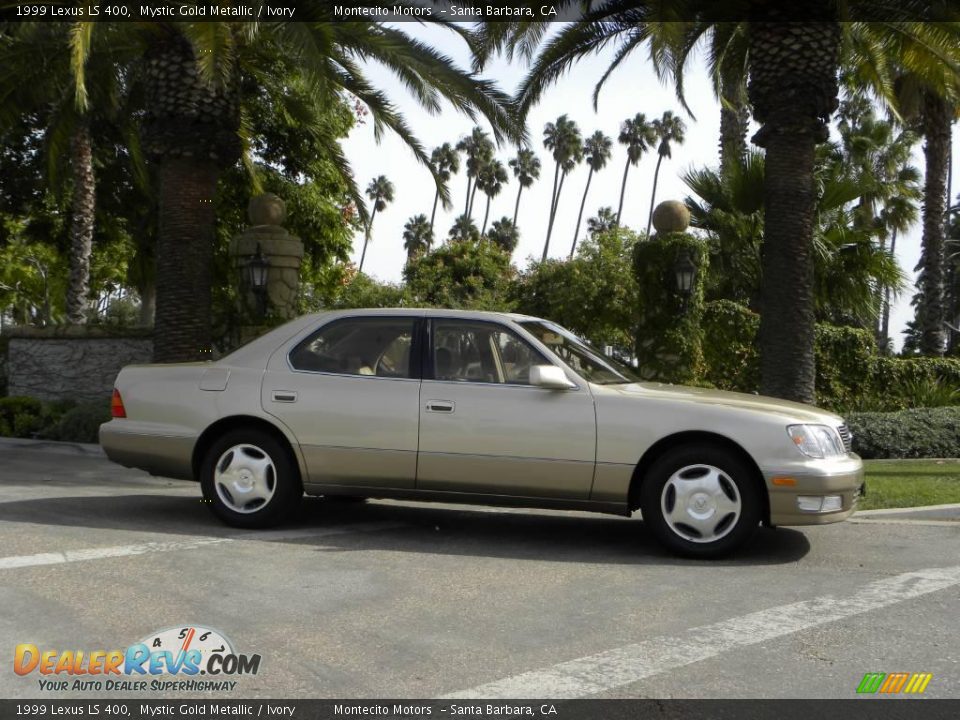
(817, 441)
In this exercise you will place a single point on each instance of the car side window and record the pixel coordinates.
(481, 352)
(373, 346)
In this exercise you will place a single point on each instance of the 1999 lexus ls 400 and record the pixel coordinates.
(471, 407)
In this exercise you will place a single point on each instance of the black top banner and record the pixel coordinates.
(214, 709)
(620, 12)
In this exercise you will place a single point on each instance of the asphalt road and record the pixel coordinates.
(386, 599)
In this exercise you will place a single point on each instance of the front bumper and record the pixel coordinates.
(839, 477)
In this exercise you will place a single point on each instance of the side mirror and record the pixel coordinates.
(549, 376)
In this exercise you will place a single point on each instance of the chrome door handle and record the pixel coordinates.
(286, 396)
(440, 406)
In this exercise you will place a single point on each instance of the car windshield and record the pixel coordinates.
(588, 362)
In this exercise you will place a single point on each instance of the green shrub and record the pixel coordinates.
(82, 423)
(21, 416)
(845, 359)
(916, 433)
(729, 346)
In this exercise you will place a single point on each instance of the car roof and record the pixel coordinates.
(421, 312)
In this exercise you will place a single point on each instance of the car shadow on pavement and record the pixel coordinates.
(406, 527)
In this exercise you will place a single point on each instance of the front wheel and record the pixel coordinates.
(701, 502)
(250, 480)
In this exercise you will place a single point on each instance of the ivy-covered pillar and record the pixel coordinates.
(671, 270)
(269, 242)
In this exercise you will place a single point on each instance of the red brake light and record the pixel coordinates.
(116, 405)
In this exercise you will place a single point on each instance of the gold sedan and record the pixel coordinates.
(472, 407)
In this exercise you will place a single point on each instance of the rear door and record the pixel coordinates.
(349, 392)
(485, 429)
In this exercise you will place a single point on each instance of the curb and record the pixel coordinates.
(902, 511)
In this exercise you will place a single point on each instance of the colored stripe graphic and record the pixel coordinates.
(918, 683)
(893, 683)
(871, 682)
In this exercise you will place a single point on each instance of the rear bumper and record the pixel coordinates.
(841, 478)
(136, 445)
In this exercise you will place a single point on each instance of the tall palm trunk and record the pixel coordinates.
(936, 121)
(793, 89)
(473, 197)
(466, 206)
(583, 202)
(653, 195)
(190, 131)
(516, 207)
(553, 204)
(885, 312)
(184, 259)
(83, 205)
(366, 239)
(623, 189)
(734, 121)
(486, 215)
(433, 214)
(553, 215)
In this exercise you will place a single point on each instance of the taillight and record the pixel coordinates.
(116, 405)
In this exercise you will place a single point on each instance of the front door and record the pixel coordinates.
(349, 392)
(485, 429)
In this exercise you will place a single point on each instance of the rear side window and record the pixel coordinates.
(377, 347)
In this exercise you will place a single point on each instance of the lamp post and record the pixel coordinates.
(256, 270)
(685, 272)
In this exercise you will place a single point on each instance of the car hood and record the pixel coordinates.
(756, 403)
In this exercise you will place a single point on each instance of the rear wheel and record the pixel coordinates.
(250, 480)
(701, 501)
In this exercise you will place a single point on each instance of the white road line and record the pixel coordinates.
(628, 664)
(99, 553)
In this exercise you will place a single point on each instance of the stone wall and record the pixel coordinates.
(71, 363)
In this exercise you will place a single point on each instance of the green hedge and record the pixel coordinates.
(26, 417)
(917, 433)
(22, 417)
(851, 375)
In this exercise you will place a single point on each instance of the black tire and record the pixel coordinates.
(735, 480)
(283, 481)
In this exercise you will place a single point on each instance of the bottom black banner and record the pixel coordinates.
(856, 709)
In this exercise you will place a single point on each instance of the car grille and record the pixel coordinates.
(846, 437)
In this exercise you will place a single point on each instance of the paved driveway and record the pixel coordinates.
(387, 599)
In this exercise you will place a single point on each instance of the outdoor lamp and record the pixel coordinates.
(686, 273)
(256, 269)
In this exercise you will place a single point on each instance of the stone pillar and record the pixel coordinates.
(282, 250)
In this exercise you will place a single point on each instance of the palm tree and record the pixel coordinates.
(793, 90)
(478, 149)
(463, 229)
(604, 221)
(563, 140)
(417, 236)
(596, 150)
(196, 74)
(493, 176)
(669, 129)
(37, 77)
(504, 234)
(637, 135)
(380, 192)
(879, 157)
(445, 162)
(526, 169)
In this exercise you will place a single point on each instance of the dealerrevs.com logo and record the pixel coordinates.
(169, 660)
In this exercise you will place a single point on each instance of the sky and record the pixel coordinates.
(633, 88)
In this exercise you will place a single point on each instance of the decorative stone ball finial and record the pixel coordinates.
(267, 209)
(671, 216)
